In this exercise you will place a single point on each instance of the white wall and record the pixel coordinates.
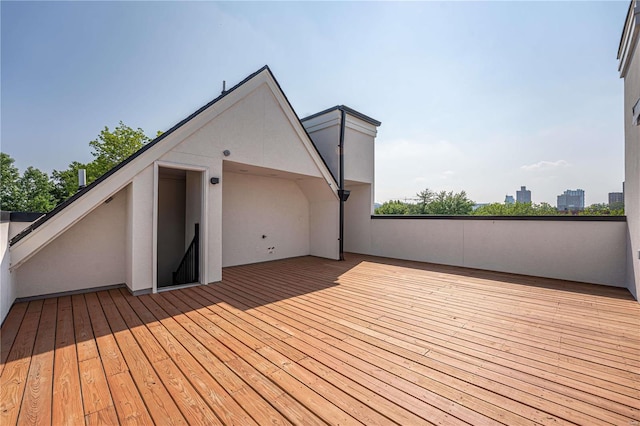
(89, 254)
(357, 218)
(359, 140)
(7, 287)
(8, 230)
(193, 206)
(257, 132)
(253, 206)
(593, 252)
(359, 154)
(632, 172)
(325, 133)
(139, 232)
(324, 218)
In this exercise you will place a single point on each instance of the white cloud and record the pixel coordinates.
(545, 165)
(406, 166)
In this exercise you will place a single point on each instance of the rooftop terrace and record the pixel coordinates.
(313, 341)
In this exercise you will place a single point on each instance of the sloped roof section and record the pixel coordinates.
(100, 181)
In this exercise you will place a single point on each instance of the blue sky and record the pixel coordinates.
(476, 96)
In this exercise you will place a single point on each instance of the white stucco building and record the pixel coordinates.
(629, 67)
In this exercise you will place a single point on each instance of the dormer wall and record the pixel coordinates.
(360, 132)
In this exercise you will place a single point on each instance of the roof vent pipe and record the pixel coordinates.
(224, 87)
(82, 178)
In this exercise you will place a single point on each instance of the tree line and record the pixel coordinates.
(428, 202)
(36, 191)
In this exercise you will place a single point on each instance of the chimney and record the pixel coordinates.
(82, 178)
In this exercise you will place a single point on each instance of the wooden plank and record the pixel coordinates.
(67, 399)
(9, 331)
(499, 416)
(229, 411)
(106, 417)
(241, 373)
(14, 375)
(315, 304)
(95, 390)
(161, 405)
(435, 399)
(86, 344)
(191, 404)
(147, 343)
(36, 404)
(110, 355)
(127, 401)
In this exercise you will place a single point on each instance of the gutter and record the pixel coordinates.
(341, 183)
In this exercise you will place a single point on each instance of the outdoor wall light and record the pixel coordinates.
(214, 180)
(344, 194)
(226, 153)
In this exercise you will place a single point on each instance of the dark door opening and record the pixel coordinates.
(179, 216)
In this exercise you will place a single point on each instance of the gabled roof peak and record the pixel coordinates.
(69, 201)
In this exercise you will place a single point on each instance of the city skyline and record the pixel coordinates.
(510, 198)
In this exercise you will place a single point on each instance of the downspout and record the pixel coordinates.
(341, 183)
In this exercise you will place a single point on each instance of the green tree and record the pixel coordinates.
(618, 205)
(425, 197)
(450, 203)
(65, 182)
(10, 196)
(393, 207)
(109, 149)
(602, 210)
(516, 209)
(37, 191)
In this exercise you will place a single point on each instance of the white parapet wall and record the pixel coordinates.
(591, 251)
(9, 228)
(7, 288)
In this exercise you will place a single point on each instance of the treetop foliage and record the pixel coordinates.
(35, 191)
(430, 203)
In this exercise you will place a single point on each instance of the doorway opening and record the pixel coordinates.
(178, 233)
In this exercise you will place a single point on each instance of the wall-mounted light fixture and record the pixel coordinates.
(226, 153)
(214, 180)
(344, 194)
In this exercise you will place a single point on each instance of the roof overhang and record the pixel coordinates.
(629, 38)
(331, 117)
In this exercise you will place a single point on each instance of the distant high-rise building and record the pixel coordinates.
(571, 200)
(524, 195)
(509, 199)
(616, 197)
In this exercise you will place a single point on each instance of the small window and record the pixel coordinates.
(636, 114)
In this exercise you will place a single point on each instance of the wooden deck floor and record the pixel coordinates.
(310, 341)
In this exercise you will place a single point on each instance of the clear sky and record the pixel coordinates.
(476, 96)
